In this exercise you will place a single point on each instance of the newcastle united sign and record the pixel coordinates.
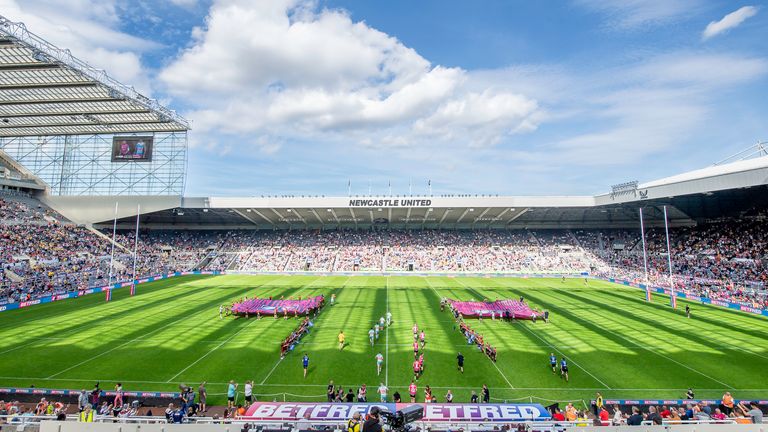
(404, 202)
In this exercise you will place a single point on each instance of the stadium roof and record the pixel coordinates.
(45, 91)
(731, 190)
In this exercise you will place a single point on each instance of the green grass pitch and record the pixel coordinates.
(170, 333)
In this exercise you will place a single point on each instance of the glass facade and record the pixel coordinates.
(82, 164)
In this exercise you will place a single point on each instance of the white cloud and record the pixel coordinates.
(486, 118)
(639, 14)
(656, 105)
(286, 68)
(88, 29)
(732, 20)
(184, 3)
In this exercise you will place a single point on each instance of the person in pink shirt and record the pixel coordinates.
(412, 389)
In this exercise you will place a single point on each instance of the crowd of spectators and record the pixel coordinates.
(701, 411)
(40, 254)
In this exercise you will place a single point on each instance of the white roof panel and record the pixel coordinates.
(44, 90)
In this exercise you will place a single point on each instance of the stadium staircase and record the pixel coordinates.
(204, 262)
(108, 239)
(13, 277)
(335, 261)
(287, 263)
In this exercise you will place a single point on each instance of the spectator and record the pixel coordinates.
(353, 425)
(755, 413)
(372, 422)
(304, 423)
(653, 416)
(636, 419)
(86, 415)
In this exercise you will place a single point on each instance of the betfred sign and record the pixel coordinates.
(286, 411)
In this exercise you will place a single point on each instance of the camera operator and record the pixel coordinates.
(372, 423)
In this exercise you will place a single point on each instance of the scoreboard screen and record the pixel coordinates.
(132, 149)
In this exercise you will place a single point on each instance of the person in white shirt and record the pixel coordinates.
(248, 393)
(304, 424)
(383, 392)
(618, 416)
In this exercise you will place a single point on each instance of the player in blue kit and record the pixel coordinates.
(305, 363)
(553, 362)
(564, 369)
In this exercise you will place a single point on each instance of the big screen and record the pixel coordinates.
(132, 149)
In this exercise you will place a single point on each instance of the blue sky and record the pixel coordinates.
(499, 97)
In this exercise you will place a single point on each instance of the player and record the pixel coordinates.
(221, 312)
(376, 330)
(415, 329)
(341, 340)
(139, 151)
(412, 389)
(563, 279)
(305, 363)
(333, 299)
(383, 392)
(460, 361)
(416, 369)
(381, 323)
(586, 282)
(553, 362)
(379, 362)
(564, 369)
(688, 311)
(389, 318)
(415, 348)
(371, 335)
(423, 338)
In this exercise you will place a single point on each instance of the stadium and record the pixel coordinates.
(126, 303)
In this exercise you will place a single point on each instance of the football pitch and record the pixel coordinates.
(170, 333)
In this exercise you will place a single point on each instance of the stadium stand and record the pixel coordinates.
(43, 254)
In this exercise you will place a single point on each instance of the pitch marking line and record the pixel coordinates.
(693, 327)
(70, 331)
(245, 327)
(300, 290)
(270, 372)
(492, 362)
(562, 354)
(112, 349)
(672, 360)
(118, 347)
(543, 340)
(386, 338)
(404, 385)
(502, 375)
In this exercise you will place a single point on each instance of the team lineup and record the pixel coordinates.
(419, 343)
